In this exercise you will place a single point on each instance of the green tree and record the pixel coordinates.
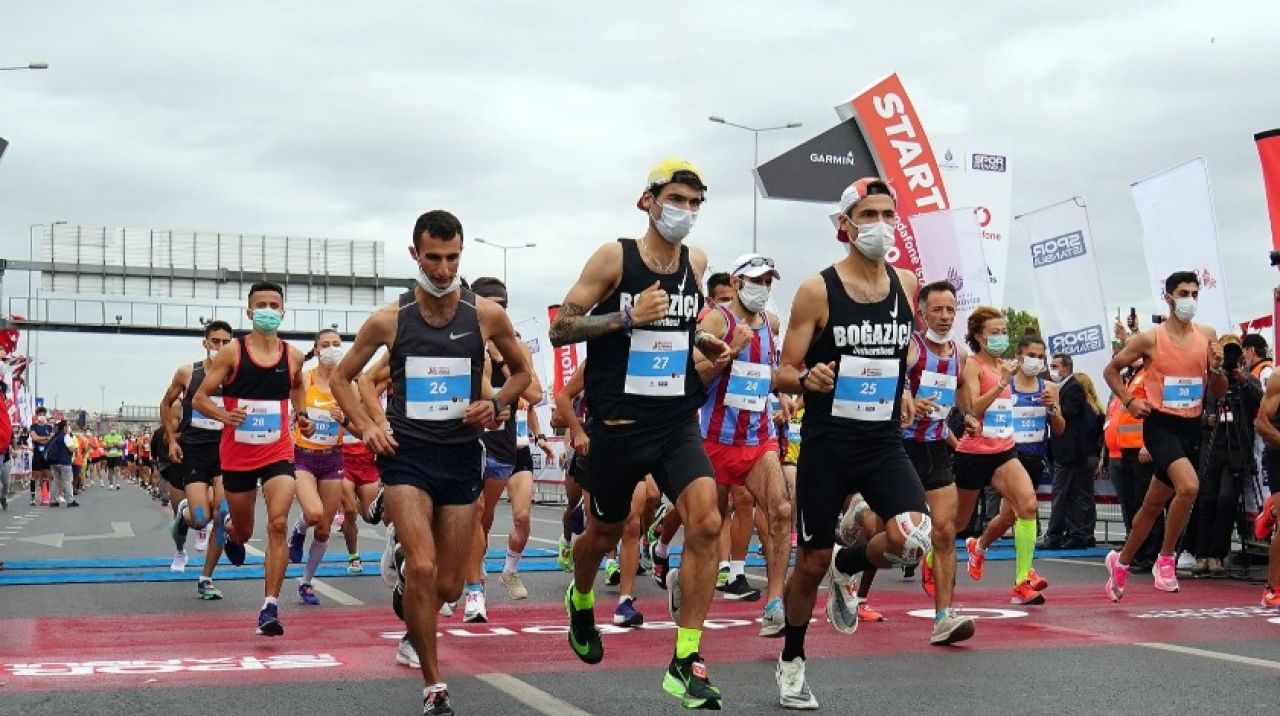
(1019, 322)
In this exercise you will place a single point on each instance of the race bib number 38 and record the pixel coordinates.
(748, 387)
(1183, 392)
(436, 388)
(656, 363)
(866, 389)
(262, 422)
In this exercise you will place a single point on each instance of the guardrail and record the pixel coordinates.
(107, 313)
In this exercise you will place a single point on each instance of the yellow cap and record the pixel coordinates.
(664, 170)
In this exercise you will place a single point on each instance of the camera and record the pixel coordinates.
(1275, 258)
(1232, 356)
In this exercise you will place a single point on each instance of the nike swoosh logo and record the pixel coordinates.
(804, 533)
(894, 312)
(455, 336)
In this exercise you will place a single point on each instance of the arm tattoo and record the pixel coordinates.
(573, 325)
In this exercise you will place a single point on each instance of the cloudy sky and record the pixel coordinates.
(538, 122)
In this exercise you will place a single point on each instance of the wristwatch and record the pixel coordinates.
(803, 375)
(497, 406)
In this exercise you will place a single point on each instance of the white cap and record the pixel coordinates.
(754, 266)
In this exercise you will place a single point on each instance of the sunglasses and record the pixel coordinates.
(755, 262)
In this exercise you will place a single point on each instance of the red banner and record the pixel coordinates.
(1256, 325)
(566, 357)
(1269, 154)
(904, 158)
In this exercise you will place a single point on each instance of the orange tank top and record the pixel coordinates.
(997, 420)
(328, 434)
(1177, 375)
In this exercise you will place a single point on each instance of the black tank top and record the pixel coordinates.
(501, 444)
(878, 331)
(430, 369)
(254, 382)
(195, 434)
(635, 376)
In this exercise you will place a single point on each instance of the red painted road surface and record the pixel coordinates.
(159, 650)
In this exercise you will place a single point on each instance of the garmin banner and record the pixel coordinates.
(4, 144)
(1054, 243)
(956, 255)
(1179, 233)
(818, 170)
(977, 175)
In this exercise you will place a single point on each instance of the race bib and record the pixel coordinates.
(1183, 392)
(656, 363)
(522, 428)
(748, 387)
(436, 388)
(327, 428)
(262, 422)
(204, 422)
(942, 388)
(793, 432)
(866, 389)
(998, 421)
(1029, 424)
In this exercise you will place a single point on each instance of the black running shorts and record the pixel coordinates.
(1271, 465)
(621, 456)
(201, 462)
(524, 460)
(834, 465)
(975, 470)
(248, 480)
(450, 473)
(932, 461)
(1169, 438)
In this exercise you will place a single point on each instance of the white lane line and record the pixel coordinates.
(1067, 560)
(1192, 651)
(324, 588)
(531, 696)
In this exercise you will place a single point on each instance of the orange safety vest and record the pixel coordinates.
(1109, 435)
(1129, 428)
(1261, 366)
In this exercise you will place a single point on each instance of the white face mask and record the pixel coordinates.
(1054, 375)
(935, 337)
(1033, 366)
(1184, 308)
(210, 353)
(674, 223)
(427, 285)
(754, 296)
(332, 355)
(874, 240)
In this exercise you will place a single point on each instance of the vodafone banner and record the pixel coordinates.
(1269, 154)
(1179, 233)
(1055, 246)
(955, 255)
(889, 123)
(565, 358)
(977, 174)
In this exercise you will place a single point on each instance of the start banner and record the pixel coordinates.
(1269, 154)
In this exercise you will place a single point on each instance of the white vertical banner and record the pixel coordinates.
(534, 335)
(1180, 233)
(1054, 243)
(977, 174)
(953, 251)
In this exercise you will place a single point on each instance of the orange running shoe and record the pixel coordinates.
(977, 558)
(867, 614)
(1266, 519)
(1271, 598)
(1038, 583)
(1024, 594)
(926, 577)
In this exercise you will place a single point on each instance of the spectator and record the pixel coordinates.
(58, 453)
(1075, 454)
(6, 446)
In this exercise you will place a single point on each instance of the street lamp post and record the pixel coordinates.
(28, 66)
(755, 194)
(504, 250)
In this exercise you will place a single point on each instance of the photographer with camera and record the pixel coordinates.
(1228, 461)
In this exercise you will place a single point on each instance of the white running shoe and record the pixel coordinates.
(447, 609)
(842, 598)
(202, 540)
(405, 654)
(515, 586)
(473, 611)
(179, 563)
(793, 690)
(387, 565)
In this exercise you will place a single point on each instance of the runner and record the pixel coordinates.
(571, 415)
(97, 459)
(260, 376)
(1181, 357)
(360, 492)
(846, 349)
(318, 463)
(113, 442)
(644, 298)
(40, 432)
(429, 450)
(193, 447)
(1267, 426)
(933, 377)
(737, 429)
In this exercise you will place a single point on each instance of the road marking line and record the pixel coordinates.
(1068, 560)
(324, 588)
(531, 696)
(1233, 658)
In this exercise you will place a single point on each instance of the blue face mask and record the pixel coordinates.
(998, 343)
(267, 320)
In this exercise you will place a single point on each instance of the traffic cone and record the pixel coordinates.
(44, 493)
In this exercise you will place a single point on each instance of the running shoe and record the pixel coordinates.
(686, 679)
(436, 703)
(1266, 519)
(397, 601)
(866, 613)
(646, 560)
(793, 689)
(927, 582)
(1038, 583)
(269, 621)
(387, 562)
(4, 503)
(406, 655)
(841, 607)
(977, 558)
(626, 614)
(578, 519)
(296, 542)
(220, 525)
(375, 510)
(1118, 575)
(178, 528)
(206, 590)
(1024, 594)
(448, 608)
(473, 609)
(202, 539)
(722, 578)
(179, 563)
(515, 586)
(774, 619)
(73, 503)
(849, 530)
(661, 568)
(34, 502)
(354, 565)
(234, 550)
(612, 573)
(740, 590)
(950, 629)
(565, 557)
(584, 637)
(675, 595)
(654, 531)
(1165, 573)
(307, 594)
(1185, 561)
(1271, 597)
(908, 571)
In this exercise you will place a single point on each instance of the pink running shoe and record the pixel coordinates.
(1118, 575)
(1166, 574)
(977, 558)
(1266, 519)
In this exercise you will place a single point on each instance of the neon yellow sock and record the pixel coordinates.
(687, 641)
(582, 601)
(1024, 544)
(928, 558)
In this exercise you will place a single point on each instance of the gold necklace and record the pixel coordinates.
(653, 264)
